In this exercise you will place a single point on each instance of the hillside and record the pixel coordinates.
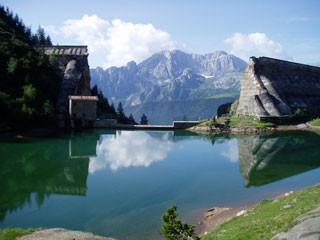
(28, 78)
(165, 112)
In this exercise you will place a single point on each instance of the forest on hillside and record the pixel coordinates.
(29, 79)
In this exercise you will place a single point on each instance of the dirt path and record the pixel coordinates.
(215, 217)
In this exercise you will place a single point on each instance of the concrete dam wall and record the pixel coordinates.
(272, 87)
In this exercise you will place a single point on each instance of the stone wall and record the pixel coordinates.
(75, 73)
(184, 124)
(272, 87)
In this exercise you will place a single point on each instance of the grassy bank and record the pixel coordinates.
(315, 122)
(226, 123)
(13, 233)
(269, 217)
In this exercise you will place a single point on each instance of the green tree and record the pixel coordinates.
(41, 36)
(28, 81)
(121, 117)
(184, 118)
(144, 120)
(175, 229)
(48, 109)
(131, 119)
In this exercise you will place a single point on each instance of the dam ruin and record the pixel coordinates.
(277, 88)
(75, 83)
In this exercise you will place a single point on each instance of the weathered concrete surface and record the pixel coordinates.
(184, 124)
(75, 74)
(62, 234)
(272, 87)
(307, 229)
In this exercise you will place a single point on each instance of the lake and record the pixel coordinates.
(119, 183)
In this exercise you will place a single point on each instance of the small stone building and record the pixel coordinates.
(82, 111)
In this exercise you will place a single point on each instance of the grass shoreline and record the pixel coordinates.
(269, 216)
(13, 233)
(237, 125)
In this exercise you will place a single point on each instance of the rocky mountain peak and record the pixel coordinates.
(169, 66)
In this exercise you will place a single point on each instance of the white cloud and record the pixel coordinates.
(130, 149)
(232, 152)
(116, 43)
(255, 44)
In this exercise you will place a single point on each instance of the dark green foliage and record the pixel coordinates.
(121, 117)
(184, 118)
(224, 109)
(131, 120)
(175, 229)
(104, 110)
(28, 85)
(13, 233)
(144, 120)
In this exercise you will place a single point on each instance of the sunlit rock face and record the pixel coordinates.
(268, 158)
(171, 75)
(272, 87)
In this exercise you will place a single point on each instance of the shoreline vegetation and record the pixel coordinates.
(264, 220)
(269, 219)
(240, 124)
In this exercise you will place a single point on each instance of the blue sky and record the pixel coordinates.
(121, 30)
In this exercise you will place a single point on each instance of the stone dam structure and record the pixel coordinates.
(75, 73)
(277, 88)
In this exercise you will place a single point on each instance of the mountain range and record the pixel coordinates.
(171, 76)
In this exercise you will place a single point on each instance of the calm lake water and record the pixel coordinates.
(119, 183)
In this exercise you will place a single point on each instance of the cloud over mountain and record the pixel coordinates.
(255, 44)
(115, 43)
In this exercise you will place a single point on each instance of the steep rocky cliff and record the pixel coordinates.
(75, 74)
(272, 87)
(171, 75)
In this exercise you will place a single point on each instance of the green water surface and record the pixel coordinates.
(119, 183)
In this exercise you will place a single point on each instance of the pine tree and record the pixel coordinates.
(41, 36)
(131, 120)
(121, 117)
(175, 229)
(144, 120)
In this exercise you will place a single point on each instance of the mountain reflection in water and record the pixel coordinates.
(126, 179)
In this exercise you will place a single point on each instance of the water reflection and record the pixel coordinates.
(130, 149)
(271, 157)
(231, 152)
(40, 167)
(166, 167)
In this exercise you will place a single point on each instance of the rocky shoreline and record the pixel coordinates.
(307, 224)
(252, 130)
(61, 234)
